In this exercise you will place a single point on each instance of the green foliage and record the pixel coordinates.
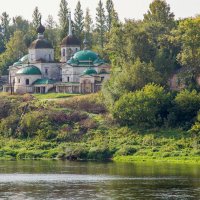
(78, 21)
(185, 108)
(146, 107)
(159, 12)
(63, 18)
(133, 77)
(36, 18)
(100, 24)
(189, 57)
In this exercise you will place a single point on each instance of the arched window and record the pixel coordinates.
(27, 81)
(63, 53)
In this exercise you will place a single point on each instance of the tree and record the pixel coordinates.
(15, 49)
(116, 47)
(100, 24)
(159, 12)
(63, 18)
(51, 31)
(5, 21)
(189, 34)
(146, 107)
(109, 8)
(88, 26)
(20, 24)
(185, 108)
(133, 77)
(36, 18)
(78, 21)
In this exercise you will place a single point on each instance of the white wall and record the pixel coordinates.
(37, 54)
(69, 52)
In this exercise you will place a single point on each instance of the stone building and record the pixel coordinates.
(79, 71)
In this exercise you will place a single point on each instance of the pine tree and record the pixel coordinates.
(88, 26)
(63, 18)
(36, 17)
(110, 9)
(5, 21)
(78, 21)
(51, 31)
(100, 24)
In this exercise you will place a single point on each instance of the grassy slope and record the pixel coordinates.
(104, 139)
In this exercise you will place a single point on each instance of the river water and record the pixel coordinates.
(34, 180)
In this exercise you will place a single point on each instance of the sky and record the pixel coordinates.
(125, 8)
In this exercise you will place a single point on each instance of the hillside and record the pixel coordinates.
(79, 127)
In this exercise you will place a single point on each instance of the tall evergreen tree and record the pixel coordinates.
(78, 21)
(51, 31)
(63, 18)
(110, 13)
(5, 21)
(36, 17)
(88, 26)
(100, 24)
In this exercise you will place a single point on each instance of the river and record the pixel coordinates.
(32, 180)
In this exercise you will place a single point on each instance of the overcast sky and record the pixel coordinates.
(125, 8)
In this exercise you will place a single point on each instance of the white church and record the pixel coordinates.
(79, 71)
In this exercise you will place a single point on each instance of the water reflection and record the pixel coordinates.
(89, 180)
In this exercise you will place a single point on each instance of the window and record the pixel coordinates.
(18, 80)
(102, 78)
(49, 57)
(27, 81)
(46, 71)
(63, 52)
(67, 79)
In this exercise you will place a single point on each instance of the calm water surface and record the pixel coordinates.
(90, 180)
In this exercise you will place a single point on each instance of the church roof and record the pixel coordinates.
(70, 40)
(41, 44)
(18, 63)
(90, 71)
(44, 81)
(85, 58)
(24, 59)
(29, 70)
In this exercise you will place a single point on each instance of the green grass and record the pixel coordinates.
(54, 95)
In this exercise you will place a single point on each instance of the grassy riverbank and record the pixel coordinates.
(80, 128)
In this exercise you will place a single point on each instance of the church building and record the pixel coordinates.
(79, 71)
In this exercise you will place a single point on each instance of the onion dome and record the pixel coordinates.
(70, 40)
(86, 55)
(90, 71)
(40, 29)
(85, 58)
(29, 70)
(41, 44)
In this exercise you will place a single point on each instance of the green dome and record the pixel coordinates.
(29, 70)
(24, 59)
(17, 64)
(85, 58)
(89, 71)
(85, 55)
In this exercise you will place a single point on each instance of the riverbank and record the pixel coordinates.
(80, 128)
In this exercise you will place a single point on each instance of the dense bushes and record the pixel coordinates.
(146, 107)
(152, 106)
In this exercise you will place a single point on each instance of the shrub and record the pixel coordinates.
(146, 107)
(185, 108)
